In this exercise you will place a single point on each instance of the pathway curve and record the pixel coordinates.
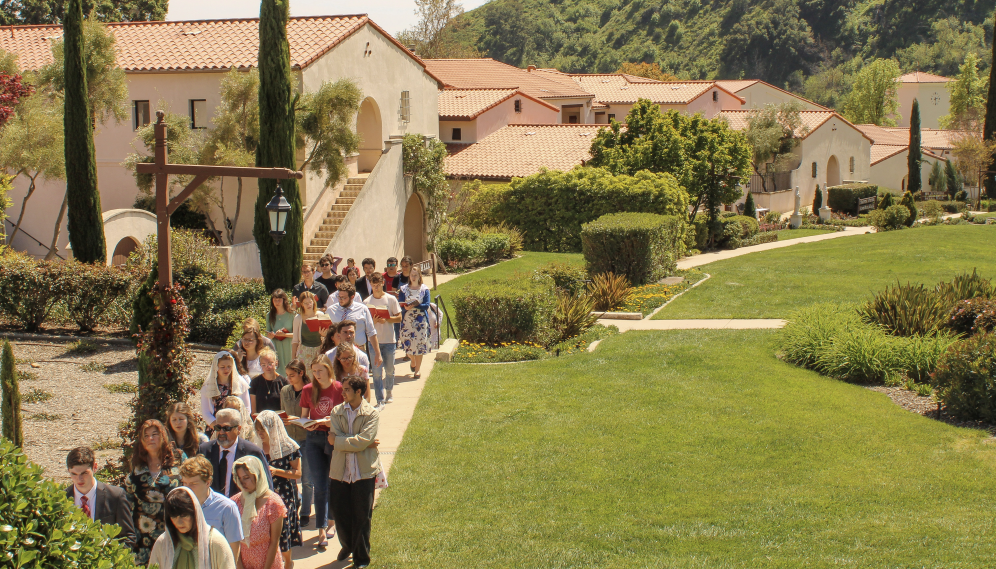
(703, 324)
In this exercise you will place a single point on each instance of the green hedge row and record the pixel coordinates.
(643, 246)
(514, 310)
(550, 207)
(844, 198)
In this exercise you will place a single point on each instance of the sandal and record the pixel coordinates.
(323, 542)
(416, 376)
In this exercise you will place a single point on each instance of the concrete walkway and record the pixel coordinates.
(706, 258)
(702, 324)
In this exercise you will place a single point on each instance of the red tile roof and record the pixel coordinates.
(468, 104)
(921, 77)
(929, 137)
(516, 151)
(882, 152)
(617, 88)
(735, 86)
(811, 120)
(880, 135)
(486, 73)
(194, 45)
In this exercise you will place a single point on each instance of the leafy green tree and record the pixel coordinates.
(768, 41)
(915, 155)
(423, 161)
(20, 12)
(750, 210)
(86, 227)
(873, 98)
(705, 156)
(952, 180)
(427, 35)
(968, 97)
(773, 133)
(31, 145)
(13, 429)
(648, 70)
(325, 121)
(936, 178)
(507, 31)
(281, 262)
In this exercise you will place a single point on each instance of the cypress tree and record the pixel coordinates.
(86, 224)
(886, 201)
(750, 210)
(12, 427)
(914, 157)
(817, 200)
(989, 128)
(910, 205)
(952, 181)
(280, 262)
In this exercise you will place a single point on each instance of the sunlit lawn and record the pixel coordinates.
(771, 284)
(679, 449)
(786, 234)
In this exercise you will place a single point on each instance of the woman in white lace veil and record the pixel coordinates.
(189, 542)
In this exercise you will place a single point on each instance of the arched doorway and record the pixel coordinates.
(833, 172)
(368, 126)
(124, 248)
(415, 228)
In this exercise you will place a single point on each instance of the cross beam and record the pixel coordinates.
(165, 207)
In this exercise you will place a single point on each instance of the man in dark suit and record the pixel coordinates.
(364, 287)
(102, 502)
(226, 449)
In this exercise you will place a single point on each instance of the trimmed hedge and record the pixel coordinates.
(42, 528)
(91, 290)
(29, 289)
(643, 246)
(844, 198)
(550, 207)
(966, 379)
(515, 310)
(229, 303)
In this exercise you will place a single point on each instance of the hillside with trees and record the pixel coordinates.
(812, 47)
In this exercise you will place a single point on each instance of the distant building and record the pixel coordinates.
(890, 153)
(468, 115)
(757, 94)
(931, 91)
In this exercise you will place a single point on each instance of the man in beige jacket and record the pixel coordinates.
(354, 469)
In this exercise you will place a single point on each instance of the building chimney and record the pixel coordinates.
(531, 68)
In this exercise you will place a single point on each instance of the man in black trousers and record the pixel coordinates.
(354, 469)
(101, 502)
(226, 449)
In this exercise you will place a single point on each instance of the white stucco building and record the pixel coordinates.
(757, 94)
(180, 65)
(468, 115)
(930, 90)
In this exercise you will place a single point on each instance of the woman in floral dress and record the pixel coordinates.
(263, 514)
(415, 298)
(284, 456)
(154, 474)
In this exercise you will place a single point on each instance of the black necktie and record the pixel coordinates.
(224, 468)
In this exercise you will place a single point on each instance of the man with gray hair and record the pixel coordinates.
(223, 452)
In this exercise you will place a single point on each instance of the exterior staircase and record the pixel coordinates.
(333, 219)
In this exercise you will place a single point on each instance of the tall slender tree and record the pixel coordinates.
(989, 128)
(914, 157)
(276, 149)
(86, 226)
(11, 416)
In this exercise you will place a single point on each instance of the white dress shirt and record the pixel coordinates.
(91, 499)
(231, 462)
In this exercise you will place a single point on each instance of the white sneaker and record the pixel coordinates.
(390, 397)
(379, 406)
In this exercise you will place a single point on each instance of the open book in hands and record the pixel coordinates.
(302, 422)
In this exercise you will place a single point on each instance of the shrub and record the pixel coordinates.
(749, 225)
(966, 379)
(953, 206)
(29, 289)
(910, 205)
(643, 246)
(760, 238)
(773, 217)
(961, 196)
(932, 209)
(966, 286)
(811, 330)
(493, 246)
(550, 207)
(971, 316)
(91, 290)
(190, 248)
(231, 301)
(609, 291)
(844, 198)
(568, 279)
(514, 237)
(885, 201)
(889, 219)
(573, 315)
(458, 252)
(484, 206)
(750, 210)
(45, 528)
(10, 415)
(817, 199)
(907, 309)
(697, 234)
(455, 231)
(515, 310)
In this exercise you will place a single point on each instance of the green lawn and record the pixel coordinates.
(679, 449)
(771, 284)
(786, 234)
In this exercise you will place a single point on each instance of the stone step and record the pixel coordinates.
(335, 215)
(342, 208)
(324, 235)
(320, 242)
(316, 250)
(356, 180)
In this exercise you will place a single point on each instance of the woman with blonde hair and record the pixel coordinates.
(318, 398)
(284, 456)
(189, 542)
(263, 515)
(280, 320)
(415, 298)
(306, 342)
(346, 363)
(222, 381)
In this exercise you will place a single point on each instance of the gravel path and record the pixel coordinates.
(80, 410)
(927, 406)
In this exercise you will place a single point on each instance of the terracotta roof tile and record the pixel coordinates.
(881, 135)
(929, 137)
(880, 152)
(193, 45)
(921, 77)
(486, 73)
(616, 88)
(811, 120)
(468, 104)
(517, 151)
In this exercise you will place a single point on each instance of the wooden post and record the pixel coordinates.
(433, 257)
(165, 252)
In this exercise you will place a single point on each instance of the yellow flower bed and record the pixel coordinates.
(645, 299)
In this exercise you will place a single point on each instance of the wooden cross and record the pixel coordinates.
(166, 206)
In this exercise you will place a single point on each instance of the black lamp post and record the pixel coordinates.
(278, 208)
